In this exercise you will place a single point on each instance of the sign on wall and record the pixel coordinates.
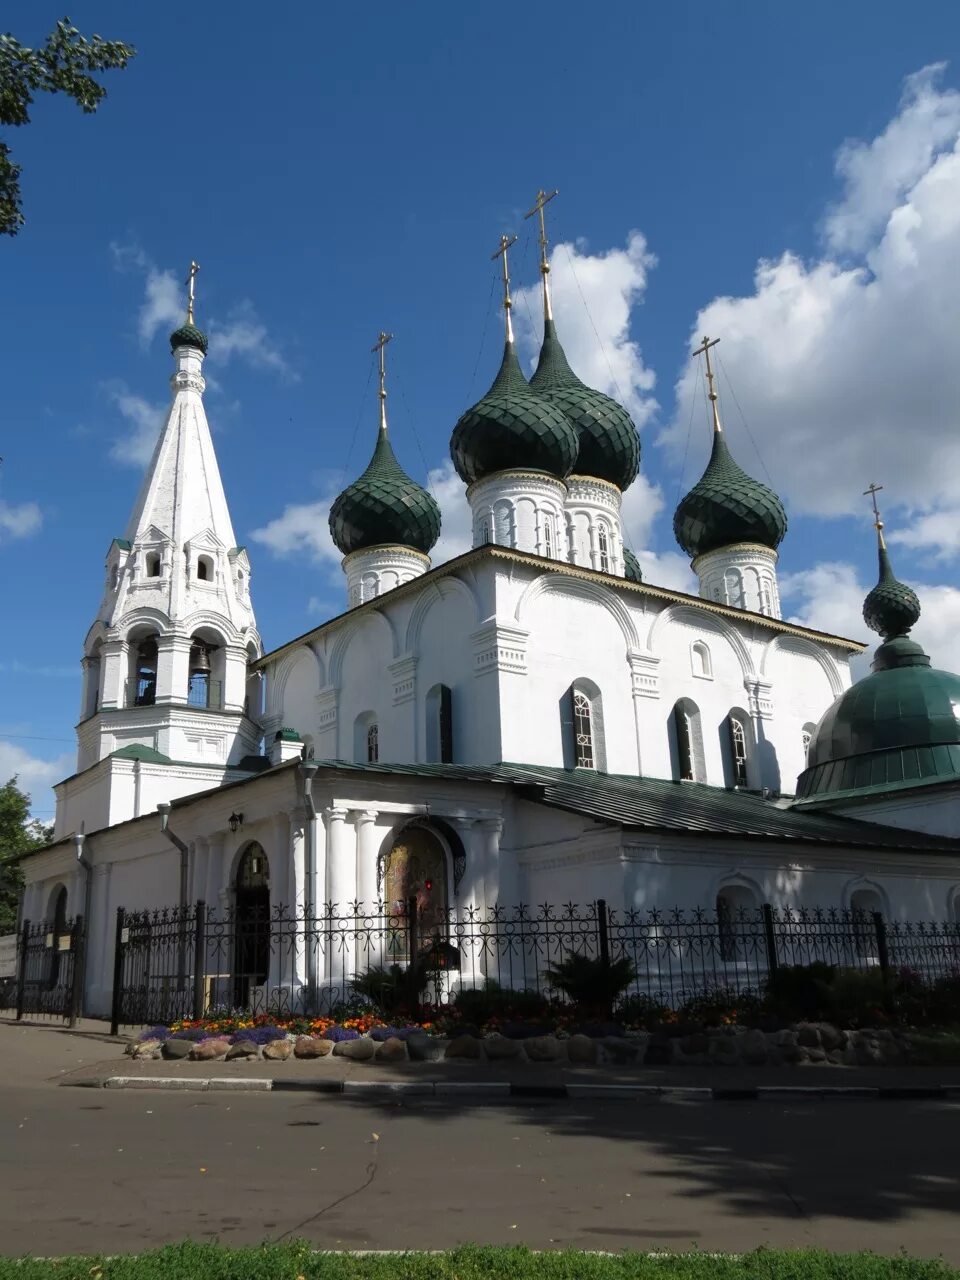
(8, 956)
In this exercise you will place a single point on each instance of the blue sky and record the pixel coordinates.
(339, 171)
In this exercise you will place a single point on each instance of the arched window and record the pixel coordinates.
(503, 524)
(115, 577)
(582, 722)
(736, 918)
(865, 904)
(143, 685)
(603, 549)
(483, 536)
(733, 585)
(373, 744)
(548, 535)
(766, 601)
(204, 569)
(439, 736)
(153, 564)
(689, 760)
(91, 679)
(806, 737)
(738, 751)
(700, 660)
(366, 734)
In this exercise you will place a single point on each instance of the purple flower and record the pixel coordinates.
(341, 1033)
(388, 1033)
(259, 1035)
(154, 1033)
(196, 1034)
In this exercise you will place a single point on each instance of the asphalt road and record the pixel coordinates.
(101, 1170)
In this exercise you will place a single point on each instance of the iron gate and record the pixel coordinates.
(50, 969)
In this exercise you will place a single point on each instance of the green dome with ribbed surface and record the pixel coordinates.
(631, 566)
(899, 727)
(726, 506)
(609, 444)
(512, 428)
(188, 335)
(384, 506)
(892, 607)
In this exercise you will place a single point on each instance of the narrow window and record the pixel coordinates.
(205, 569)
(548, 536)
(865, 905)
(115, 577)
(603, 546)
(439, 712)
(373, 744)
(144, 691)
(700, 660)
(738, 751)
(806, 737)
(736, 919)
(484, 531)
(583, 730)
(153, 564)
(684, 730)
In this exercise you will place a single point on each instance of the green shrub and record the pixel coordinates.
(722, 1008)
(798, 992)
(592, 985)
(479, 1005)
(643, 1011)
(391, 988)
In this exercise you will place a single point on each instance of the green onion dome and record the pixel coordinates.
(609, 444)
(188, 335)
(512, 428)
(900, 726)
(892, 607)
(631, 566)
(726, 506)
(384, 507)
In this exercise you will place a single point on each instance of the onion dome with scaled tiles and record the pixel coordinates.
(188, 335)
(900, 726)
(384, 507)
(727, 506)
(631, 566)
(513, 429)
(609, 447)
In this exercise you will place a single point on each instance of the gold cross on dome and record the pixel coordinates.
(505, 243)
(543, 199)
(704, 350)
(379, 347)
(189, 282)
(871, 492)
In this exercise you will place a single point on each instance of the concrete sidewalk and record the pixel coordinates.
(49, 1053)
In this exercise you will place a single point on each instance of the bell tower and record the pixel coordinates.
(165, 663)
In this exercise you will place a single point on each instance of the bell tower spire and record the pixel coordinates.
(165, 662)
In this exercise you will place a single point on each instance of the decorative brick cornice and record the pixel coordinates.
(644, 674)
(404, 673)
(500, 646)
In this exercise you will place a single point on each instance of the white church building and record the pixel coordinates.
(529, 722)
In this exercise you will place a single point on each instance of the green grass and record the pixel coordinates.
(297, 1262)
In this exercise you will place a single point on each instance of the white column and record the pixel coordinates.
(283, 951)
(367, 846)
(99, 977)
(215, 885)
(499, 882)
(341, 868)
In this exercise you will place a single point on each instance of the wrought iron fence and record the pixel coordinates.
(49, 980)
(183, 963)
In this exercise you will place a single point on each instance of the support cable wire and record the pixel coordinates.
(356, 427)
(399, 383)
(596, 334)
(483, 331)
(686, 447)
(743, 419)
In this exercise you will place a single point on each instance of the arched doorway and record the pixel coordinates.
(252, 925)
(416, 867)
(58, 928)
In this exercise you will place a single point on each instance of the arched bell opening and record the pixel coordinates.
(206, 670)
(142, 684)
(251, 925)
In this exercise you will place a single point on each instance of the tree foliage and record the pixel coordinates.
(19, 834)
(63, 65)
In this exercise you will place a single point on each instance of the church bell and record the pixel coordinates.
(200, 660)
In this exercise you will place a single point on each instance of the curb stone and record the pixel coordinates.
(506, 1089)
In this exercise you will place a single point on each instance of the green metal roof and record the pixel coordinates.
(512, 428)
(657, 804)
(727, 506)
(188, 335)
(631, 566)
(137, 751)
(609, 444)
(892, 607)
(384, 506)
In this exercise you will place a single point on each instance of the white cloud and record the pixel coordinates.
(35, 776)
(300, 530)
(162, 306)
(847, 371)
(829, 597)
(939, 531)
(244, 335)
(135, 447)
(456, 529)
(593, 297)
(19, 521)
(877, 174)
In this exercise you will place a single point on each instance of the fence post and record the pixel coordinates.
(76, 986)
(883, 955)
(117, 993)
(413, 942)
(22, 970)
(199, 960)
(773, 961)
(603, 938)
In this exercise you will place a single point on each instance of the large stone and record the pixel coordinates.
(177, 1048)
(361, 1050)
(619, 1052)
(753, 1047)
(209, 1050)
(499, 1047)
(425, 1048)
(808, 1035)
(545, 1049)
(814, 1054)
(582, 1049)
(392, 1049)
(868, 1053)
(724, 1050)
(312, 1047)
(147, 1049)
(278, 1050)
(464, 1047)
(243, 1049)
(785, 1039)
(696, 1042)
(830, 1037)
